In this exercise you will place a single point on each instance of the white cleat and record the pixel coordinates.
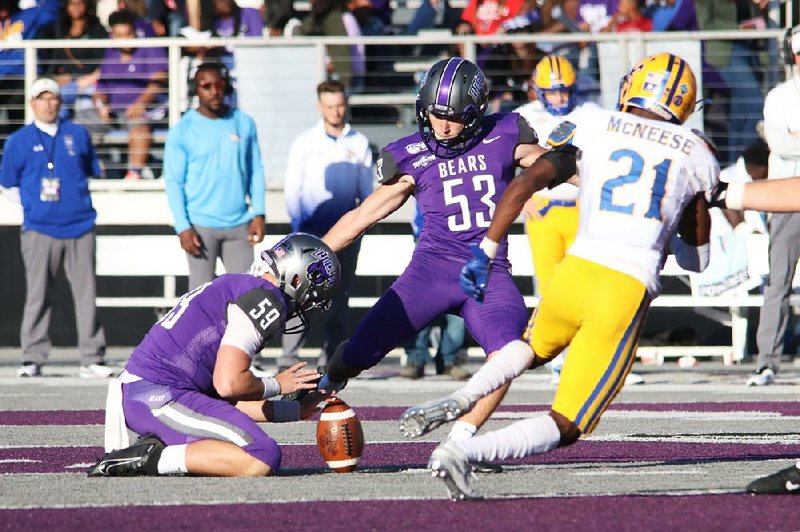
(449, 463)
(421, 419)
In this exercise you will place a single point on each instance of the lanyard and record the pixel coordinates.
(51, 152)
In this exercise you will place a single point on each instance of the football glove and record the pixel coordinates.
(475, 273)
(719, 195)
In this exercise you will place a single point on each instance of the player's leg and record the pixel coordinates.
(602, 352)
(496, 324)
(188, 432)
(410, 304)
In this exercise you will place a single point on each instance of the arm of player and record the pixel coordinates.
(780, 195)
(552, 168)
(691, 243)
(232, 379)
(526, 154)
(381, 203)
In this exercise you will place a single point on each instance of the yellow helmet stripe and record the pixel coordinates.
(555, 65)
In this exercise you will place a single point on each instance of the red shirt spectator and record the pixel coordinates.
(486, 16)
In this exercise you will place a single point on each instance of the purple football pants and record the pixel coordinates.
(425, 290)
(180, 416)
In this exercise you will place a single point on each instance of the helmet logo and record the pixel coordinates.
(475, 88)
(652, 81)
(322, 271)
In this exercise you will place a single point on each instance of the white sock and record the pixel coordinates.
(511, 361)
(462, 431)
(326, 384)
(173, 460)
(524, 438)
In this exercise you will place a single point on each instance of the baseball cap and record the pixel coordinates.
(45, 85)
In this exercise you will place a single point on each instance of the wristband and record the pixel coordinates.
(285, 411)
(489, 247)
(735, 197)
(271, 387)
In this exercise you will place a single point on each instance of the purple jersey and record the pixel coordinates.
(458, 196)
(181, 349)
(124, 82)
(250, 24)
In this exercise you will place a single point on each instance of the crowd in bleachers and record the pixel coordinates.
(123, 91)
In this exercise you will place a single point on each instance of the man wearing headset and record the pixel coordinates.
(782, 131)
(214, 180)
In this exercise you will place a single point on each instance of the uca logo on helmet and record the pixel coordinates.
(475, 89)
(416, 148)
(322, 271)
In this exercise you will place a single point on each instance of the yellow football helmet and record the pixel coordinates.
(554, 73)
(663, 84)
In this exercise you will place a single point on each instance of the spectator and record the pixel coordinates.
(50, 162)
(672, 15)
(451, 341)
(736, 62)
(77, 70)
(782, 131)
(278, 14)
(130, 92)
(329, 18)
(142, 25)
(215, 180)
(629, 17)
(485, 17)
(167, 16)
(328, 173)
(17, 24)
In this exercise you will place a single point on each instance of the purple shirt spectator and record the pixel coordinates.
(597, 13)
(124, 82)
(250, 24)
(143, 28)
(681, 16)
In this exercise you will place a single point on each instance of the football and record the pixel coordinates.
(339, 436)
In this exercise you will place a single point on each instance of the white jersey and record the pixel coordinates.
(543, 123)
(637, 175)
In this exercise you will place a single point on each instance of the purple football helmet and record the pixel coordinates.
(452, 88)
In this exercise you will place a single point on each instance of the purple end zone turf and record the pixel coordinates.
(389, 413)
(618, 513)
(415, 454)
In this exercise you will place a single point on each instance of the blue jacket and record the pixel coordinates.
(24, 165)
(22, 26)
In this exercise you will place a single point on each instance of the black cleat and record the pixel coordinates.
(784, 482)
(140, 459)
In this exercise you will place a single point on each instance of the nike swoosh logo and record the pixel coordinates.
(113, 462)
(489, 141)
(791, 486)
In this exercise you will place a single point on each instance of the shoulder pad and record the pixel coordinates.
(704, 138)
(386, 167)
(561, 134)
(265, 309)
(527, 135)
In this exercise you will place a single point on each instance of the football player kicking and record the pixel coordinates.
(643, 180)
(187, 388)
(457, 166)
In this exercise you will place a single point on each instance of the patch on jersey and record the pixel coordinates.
(416, 148)
(265, 309)
(386, 167)
(561, 134)
(424, 161)
(708, 141)
(527, 135)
